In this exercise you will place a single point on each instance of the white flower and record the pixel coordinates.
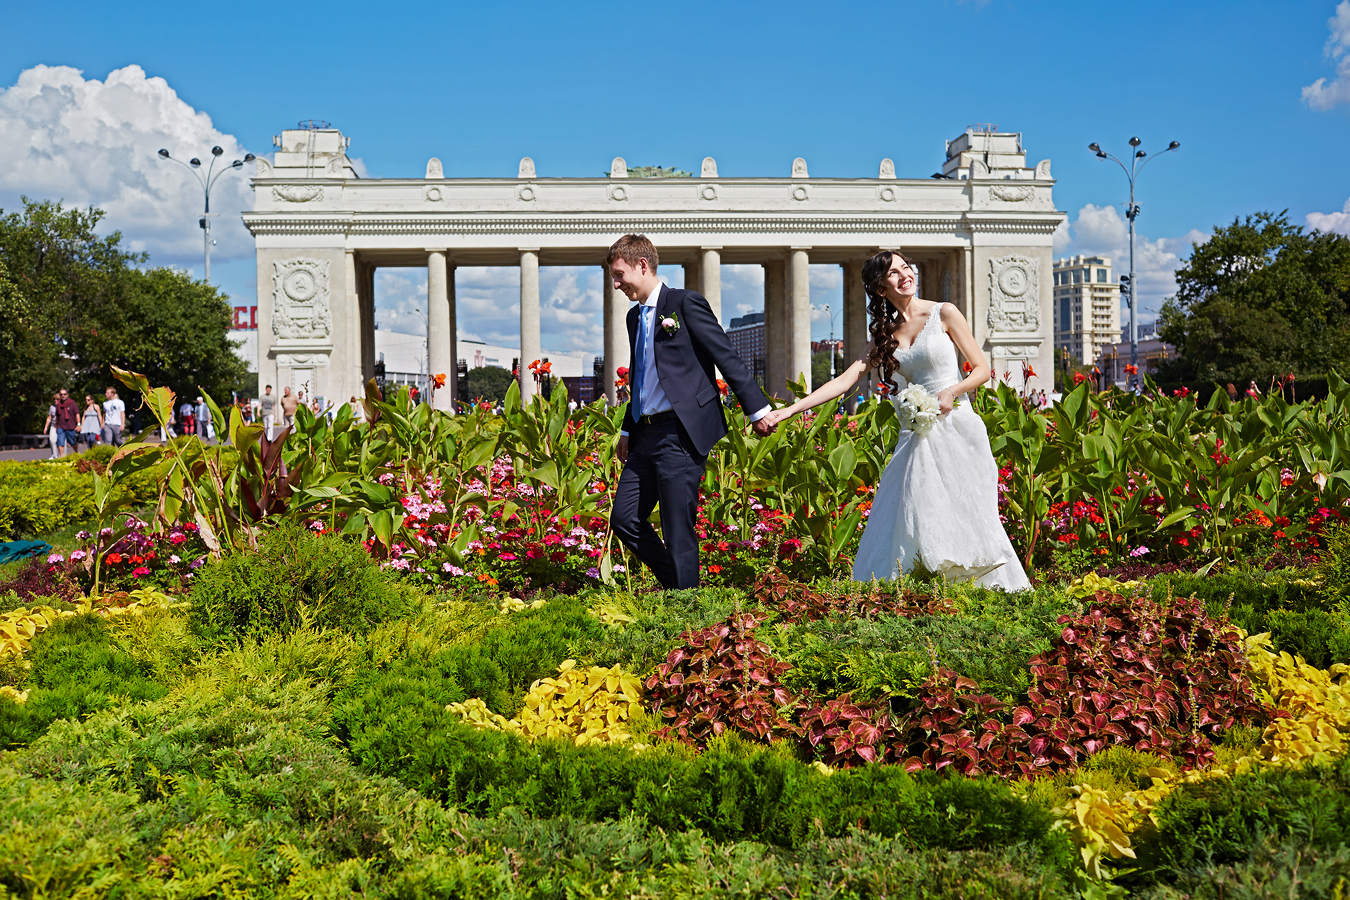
(917, 409)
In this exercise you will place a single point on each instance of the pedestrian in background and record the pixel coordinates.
(91, 423)
(289, 403)
(67, 422)
(205, 424)
(49, 427)
(268, 406)
(114, 418)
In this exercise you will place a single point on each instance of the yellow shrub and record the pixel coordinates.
(18, 627)
(584, 705)
(1092, 584)
(1318, 706)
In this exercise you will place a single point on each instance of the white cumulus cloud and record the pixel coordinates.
(1338, 222)
(1104, 231)
(95, 143)
(1322, 94)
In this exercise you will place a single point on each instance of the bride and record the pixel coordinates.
(936, 506)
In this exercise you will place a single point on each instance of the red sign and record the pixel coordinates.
(245, 318)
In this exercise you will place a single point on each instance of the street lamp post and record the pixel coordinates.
(207, 182)
(1131, 213)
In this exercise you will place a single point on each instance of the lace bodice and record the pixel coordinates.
(931, 359)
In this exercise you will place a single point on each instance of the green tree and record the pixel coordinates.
(67, 275)
(820, 367)
(74, 302)
(1261, 298)
(172, 329)
(486, 383)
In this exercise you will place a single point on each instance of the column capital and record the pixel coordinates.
(718, 247)
(436, 250)
(527, 249)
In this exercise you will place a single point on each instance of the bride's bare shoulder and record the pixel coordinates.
(951, 316)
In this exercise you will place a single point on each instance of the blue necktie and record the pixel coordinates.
(641, 362)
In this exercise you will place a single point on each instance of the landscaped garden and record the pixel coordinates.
(402, 656)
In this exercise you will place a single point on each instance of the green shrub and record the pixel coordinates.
(533, 643)
(294, 576)
(988, 636)
(1333, 566)
(1227, 821)
(38, 497)
(1294, 607)
(77, 670)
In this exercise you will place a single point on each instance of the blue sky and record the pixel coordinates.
(751, 84)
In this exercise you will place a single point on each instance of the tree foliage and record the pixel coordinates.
(1259, 299)
(73, 303)
(488, 383)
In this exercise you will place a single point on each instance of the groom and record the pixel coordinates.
(675, 415)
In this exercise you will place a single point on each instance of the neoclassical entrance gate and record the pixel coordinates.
(981, 235)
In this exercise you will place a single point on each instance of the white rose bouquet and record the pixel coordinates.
(917, 409)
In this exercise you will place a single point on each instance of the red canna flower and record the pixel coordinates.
(439, 381)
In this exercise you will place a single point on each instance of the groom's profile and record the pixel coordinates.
(674, 414)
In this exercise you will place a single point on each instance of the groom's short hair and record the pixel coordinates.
(632, 247)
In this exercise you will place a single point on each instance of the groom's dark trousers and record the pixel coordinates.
(667, 453)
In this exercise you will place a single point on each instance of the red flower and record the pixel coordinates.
(722, 387)
(439, 381)
(966, 367)
(1079, 378)
(1131, 370)
(1028, 371)
(114, 557)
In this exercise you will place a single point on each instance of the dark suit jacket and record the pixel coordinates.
(685, 363)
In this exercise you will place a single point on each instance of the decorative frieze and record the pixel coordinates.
(1014, 294)
(300, 299)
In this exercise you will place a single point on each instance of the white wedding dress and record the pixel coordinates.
(937, 503)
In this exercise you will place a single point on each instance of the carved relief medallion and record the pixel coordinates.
(1012, 193)
(1014, 294)
(298, 193)
(300, 299)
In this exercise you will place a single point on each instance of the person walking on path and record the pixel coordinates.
(91, 423)
(268, 406)
(187, 418)
(114, 418)
(204, 423)
(673, 419)
(289, 403)
(49, 427)
(67, 422)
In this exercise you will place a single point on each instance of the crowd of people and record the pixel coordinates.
(68, 424)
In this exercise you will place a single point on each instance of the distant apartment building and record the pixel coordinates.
(1087, 307)
(747, 339)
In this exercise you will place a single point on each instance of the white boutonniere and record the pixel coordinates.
(670, 324)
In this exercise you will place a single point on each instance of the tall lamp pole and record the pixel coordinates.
(207, 182)
(1132, 212)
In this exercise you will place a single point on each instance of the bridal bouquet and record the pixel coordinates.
(916, 408)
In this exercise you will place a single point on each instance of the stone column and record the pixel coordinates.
(451, 375)
(855, 323)
(349, 378)
(438, 322)
(616, 336)
(799, 314)
(710, 278)
(529, 319)
(692, 282)
(775, 329)
(365, 281)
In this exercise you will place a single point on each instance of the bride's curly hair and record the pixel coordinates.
(882, 316)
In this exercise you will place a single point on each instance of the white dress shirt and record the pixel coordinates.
(654, 400)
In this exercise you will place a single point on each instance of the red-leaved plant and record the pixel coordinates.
(1128, 671)
(845, 733)
(723, 677)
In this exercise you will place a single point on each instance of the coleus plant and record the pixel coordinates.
(723, 677)
(1128, 671)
